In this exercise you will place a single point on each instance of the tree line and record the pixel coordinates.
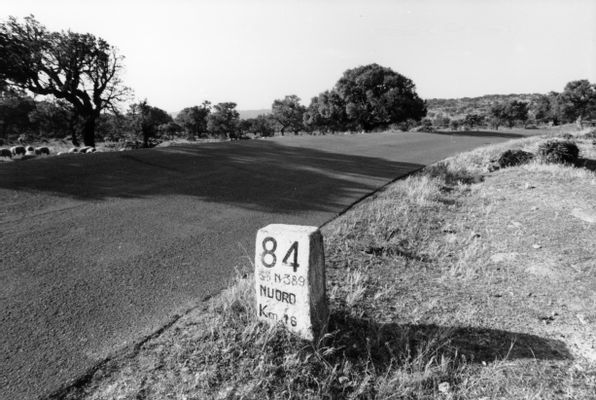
(57, 84)
(575, 104)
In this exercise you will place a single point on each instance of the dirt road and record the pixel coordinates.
(98, 251)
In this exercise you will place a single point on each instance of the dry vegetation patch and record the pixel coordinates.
(452, 284)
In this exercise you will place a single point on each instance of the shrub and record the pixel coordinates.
(511, 158)
(589, 135)
(402, 126)
(560, 152)
(426, 125)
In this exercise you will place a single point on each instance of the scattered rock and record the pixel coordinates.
(444, 387)
(550, 318)
(544, 269)
(584, 215)
(582, 319)
(451, 238)
(502, 257)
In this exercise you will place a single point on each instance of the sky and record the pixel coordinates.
(179, 53)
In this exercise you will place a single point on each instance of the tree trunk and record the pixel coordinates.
(89, 131)
(73, 133)
(146, 134)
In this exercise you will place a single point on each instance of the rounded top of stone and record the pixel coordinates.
(302, 229)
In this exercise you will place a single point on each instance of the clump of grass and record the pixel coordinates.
(512, 158)
(451, 173)
(559, 152)
(356, 287)
(239, 357)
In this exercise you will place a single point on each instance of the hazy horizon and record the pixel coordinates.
(180, 53)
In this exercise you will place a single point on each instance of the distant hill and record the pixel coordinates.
(465, 105)
(453, 108)
(245, 114)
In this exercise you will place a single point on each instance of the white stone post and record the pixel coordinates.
(290, 278)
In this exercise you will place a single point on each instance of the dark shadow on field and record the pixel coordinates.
(257, 174)
(587, 163)
(506, 135)
(364, 340)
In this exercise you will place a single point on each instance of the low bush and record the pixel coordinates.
(511, 158)
(559, 152)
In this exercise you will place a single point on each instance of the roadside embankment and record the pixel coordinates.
(455, 283)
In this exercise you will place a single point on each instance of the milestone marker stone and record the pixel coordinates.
(290, 278)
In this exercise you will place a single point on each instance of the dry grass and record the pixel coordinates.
(446, 285)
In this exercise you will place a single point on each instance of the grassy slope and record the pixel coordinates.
(441, 286)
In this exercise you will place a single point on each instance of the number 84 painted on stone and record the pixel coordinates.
(290, 278)
(269, 259)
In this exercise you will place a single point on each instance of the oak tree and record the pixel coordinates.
(194, 119)
(578, 100)
(223, 121)
(146, 119)
(376, 96)
(288, 112)
(80, 68)
(326, 113)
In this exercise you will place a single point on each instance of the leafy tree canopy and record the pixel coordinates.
(326, 112)
(542, 109)
(81, 69)
(223, 120)
(146, 119)
(508, 113)
(578, 100)
(263, 125)
(473, 120)
(288, 112)
(194, 119)
(15, 108)
(378, 96)
(52, 118)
